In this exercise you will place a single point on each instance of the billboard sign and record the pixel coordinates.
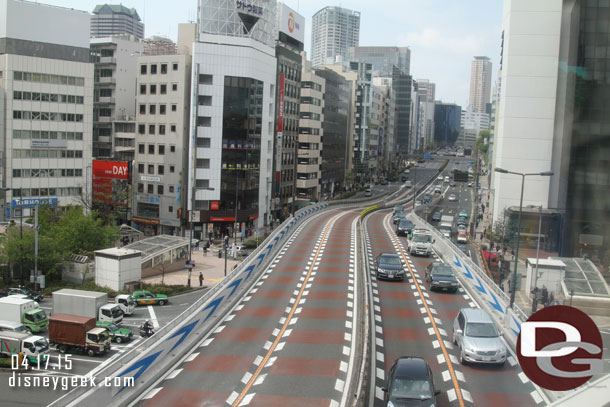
(110, 179)
(291, 23)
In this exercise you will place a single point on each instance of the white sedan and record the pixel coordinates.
(452, 197)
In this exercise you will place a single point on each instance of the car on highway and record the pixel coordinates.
(477, 338)
(470, 184)
(437, 189)
(462, 238)
(241, 250)
(461, 221)
(147, 298)
(33, 295)
(398, 208)
(461, 228)
(441, 277)
(439, 178)
(368, 192)
(452, 197)
(463, 214)
(452, 184)
(410, 382)
(437, 216)
(398, 216)
(117, 334)
(388, 266)
(404, 228)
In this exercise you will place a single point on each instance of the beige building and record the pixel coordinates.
(480, 83)
(310, 135)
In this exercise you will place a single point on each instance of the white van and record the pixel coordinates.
(447, 179)
(368, 192)
(12, 326)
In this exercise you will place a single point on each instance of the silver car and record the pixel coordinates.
(477, 338)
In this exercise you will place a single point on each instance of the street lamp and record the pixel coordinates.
(516, 259)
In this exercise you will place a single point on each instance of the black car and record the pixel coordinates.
(405, 226)
(462, 221)
(452, 183)
(441, 277)
(398, 216)
(410, 383)
(398, 208)
(389, 266)
(437, 216)
(36, 296)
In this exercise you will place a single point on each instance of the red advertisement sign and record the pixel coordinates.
(213, 219)
(214, 205)
(109, 179)
(280, 120)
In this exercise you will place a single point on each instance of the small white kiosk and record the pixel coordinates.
(116, 268)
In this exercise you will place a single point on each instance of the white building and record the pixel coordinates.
(333, 31)
(474, 120)
(234, 71)
(480, 83)
(46, 82)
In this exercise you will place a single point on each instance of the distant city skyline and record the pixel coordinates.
(444, 36)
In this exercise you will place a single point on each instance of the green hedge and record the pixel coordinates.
(5, 362)
(367, 211)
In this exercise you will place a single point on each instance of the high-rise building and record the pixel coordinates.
(115, 90)
(288, 93)
(423, 127)
(46, 88)
(115, 19)
(384, 59)
(554, 115)
(311, 134)
(447, 117)
(336, 128)
(230, 157)
(386, 153)
(334, 30)
(403, 88)
(473, 120)
(480, 83)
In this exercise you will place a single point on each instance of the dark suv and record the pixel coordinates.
(404, 228)
(388, 266)
(441, 277)
(410, 383)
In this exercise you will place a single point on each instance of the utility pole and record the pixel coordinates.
(21, 235)
(36, 248)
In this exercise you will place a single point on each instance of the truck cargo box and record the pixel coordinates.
(69, 329)
(78, 302)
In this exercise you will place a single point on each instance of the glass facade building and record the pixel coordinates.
(447, 119)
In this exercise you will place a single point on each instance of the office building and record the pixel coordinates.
(311, 134)
(473, 120)
(115, 19)
(403, 88)
(114, 94)
(334, 30)
(423, 126)
(234, 71)
(289, 70)
(383, 59)
(480, 83)
(46, 82)
(447, 118)
(336, 128)
(553, 115)
(386, 164)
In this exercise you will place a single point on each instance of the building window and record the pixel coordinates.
(141, 129)
(163, 89)
(152, 109)
(175, 67)
(204, 121)
(151, 189)
(143, 69)
(140, 187)
(171, 208)
(174, 108)
(151, 169)
(204, 142)
(203, 163)
(172, 168)
(153, 69)
(174, 87)
(141, 168)
(151, 149)
(159, 189)
(205, 100)
(162, 129)
(205, 79)
(141, 148)
(171, 189)
(153, 89)
(151, 129)
(142, 89)
(172, 149)
(163, 68)
(142, 109)
(161, 169)
(173, 128)
(161, 109)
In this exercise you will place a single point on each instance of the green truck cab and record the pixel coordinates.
(148, 298)
(24, 311)
(117, 334)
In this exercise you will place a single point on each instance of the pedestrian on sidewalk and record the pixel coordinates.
(200, 279)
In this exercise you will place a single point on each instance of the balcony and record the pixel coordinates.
(105, 100)
(104, 119)
(107, 80)
(107, 60)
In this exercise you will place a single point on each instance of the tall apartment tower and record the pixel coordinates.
(231, 149)
(334, 30)
(115, 19)
(480, 83)
(384, 59)
(46, 108)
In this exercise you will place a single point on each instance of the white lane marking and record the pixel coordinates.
(152, 393)
(247, 399)
(174, 374)
(523, 377)
(191, 357)
(536, 396)
(153, 317)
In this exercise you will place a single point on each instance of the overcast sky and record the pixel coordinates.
(444, 35)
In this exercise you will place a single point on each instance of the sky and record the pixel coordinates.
(443, 35)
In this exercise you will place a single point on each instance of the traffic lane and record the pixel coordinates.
(484, 385)
(213, 372)
(310, 360)
(401, 322)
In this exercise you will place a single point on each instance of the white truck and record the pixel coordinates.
(24, 311)
(126, 302)
(35, 348)
(446, 225)
(420, 242)
(91, 304)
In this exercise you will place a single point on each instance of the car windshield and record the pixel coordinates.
(442, 271)
(405, 223)
(411, 389)
(389, 260)
(39, 316)
(422, 238)
(25, 291)
(481, 330)
(112, 327)
(116, 312)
